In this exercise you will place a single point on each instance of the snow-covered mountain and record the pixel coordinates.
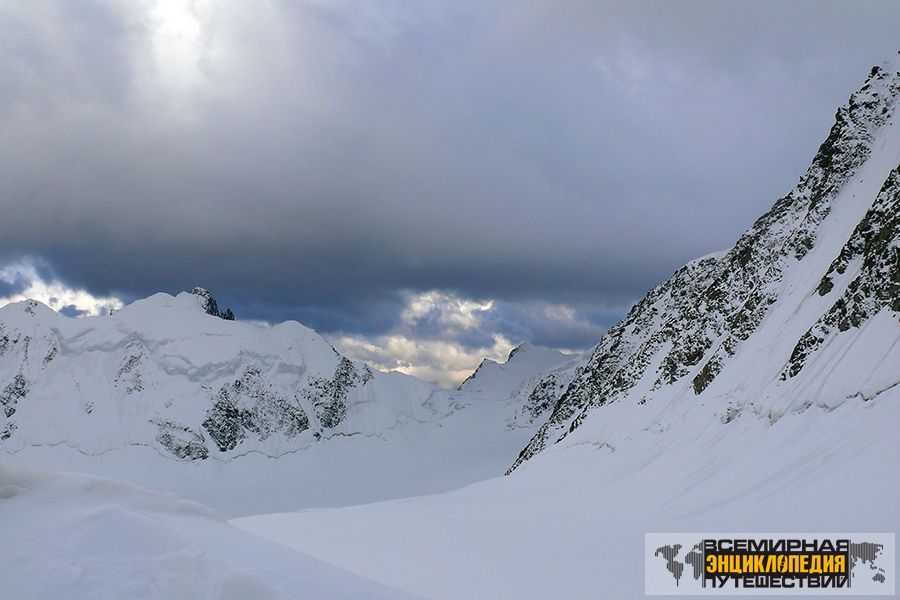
(166, 372)
(173, 393)
(524, 361)
(800, 315)
(531, 379)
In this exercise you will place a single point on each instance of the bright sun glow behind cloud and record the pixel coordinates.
(440, 357)
(177, 36)
(182, 52)
(443, 362)
(29, 283)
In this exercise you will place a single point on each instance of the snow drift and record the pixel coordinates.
(73, 536)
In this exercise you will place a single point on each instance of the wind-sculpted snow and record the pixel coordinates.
(698, 324)
(79, 537)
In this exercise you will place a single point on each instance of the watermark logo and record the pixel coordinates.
(769, 564)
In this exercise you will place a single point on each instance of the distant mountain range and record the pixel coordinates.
(170, 380)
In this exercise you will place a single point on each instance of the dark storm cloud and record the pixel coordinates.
(11, 288)
(318, 161)
(70, 310)
(571, 326)
(14, 281)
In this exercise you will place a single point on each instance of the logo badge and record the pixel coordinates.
(780, 564)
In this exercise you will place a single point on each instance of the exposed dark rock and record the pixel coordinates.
(51, 354)
(211, 306)
(249, 406)
(129, 374)
(876, 287)
(329, 396)
(182, 441)
(544, 396)
(226, 423)
(7, 431)
(12, 393)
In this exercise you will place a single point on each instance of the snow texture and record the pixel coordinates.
(73, 536)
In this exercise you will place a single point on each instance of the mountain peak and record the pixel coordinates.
(519, 348)
(524, 361)
(29, 308)
(209, 304)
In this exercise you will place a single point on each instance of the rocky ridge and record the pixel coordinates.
(691, 326)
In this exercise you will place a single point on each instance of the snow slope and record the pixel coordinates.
(73, 536)
(570, 523)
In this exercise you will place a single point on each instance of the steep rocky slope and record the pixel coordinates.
(765, 327)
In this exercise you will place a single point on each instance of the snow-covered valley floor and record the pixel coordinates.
(571, 523)
(411, 460)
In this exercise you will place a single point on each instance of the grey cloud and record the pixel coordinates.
(10, 288)
(318, 161)
(451, 318)
(443, 336)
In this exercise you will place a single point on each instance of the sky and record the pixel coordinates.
(425, 184)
